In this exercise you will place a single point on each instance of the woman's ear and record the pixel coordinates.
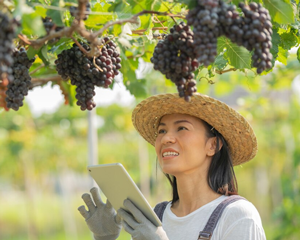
(212, 146)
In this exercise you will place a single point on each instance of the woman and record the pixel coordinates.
(197, 144)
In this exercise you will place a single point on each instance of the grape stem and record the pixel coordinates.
(38, 68)
(225, 71)
(80, 47)
(94, 62)
(144, 30)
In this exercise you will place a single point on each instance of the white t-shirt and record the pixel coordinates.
(240, 221)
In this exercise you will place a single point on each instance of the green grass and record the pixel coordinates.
(46, 217)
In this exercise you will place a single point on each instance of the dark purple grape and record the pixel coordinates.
(17, 89)
(84, 74)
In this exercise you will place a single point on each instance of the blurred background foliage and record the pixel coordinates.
(43, 158)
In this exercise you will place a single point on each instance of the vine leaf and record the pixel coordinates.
(276, 41)
(43, 54)
(94, 20)
(298, 54)
(31, 52)
(238, 57)
(280, 11)
(288, 40)
(147, 24)
(32, 25)
(220, 62)
(191, 3)
(282, 55)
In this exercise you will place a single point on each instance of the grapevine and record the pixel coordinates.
(177, 54)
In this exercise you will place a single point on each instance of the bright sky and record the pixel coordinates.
(48, 99)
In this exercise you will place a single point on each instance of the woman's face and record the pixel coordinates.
(182, 146)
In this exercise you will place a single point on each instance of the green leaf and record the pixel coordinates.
(190, 3)
(104, 16)
(282, 55)
(121, 8)
(288, 40)
(43, 54)
(137, 88)
(147, 24)
(56, 17)
(33, 25)
(41, 11)
(276, 40)
(280, 11)
(298, 54)
(238, 57)
(31, 52)
(220, 62)
(62, 44)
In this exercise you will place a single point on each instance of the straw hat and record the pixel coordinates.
(235, 129)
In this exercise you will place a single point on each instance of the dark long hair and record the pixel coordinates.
(221, 177)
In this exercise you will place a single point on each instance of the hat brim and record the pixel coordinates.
(234, 127)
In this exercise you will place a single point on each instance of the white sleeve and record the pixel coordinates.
(244, 229)
(241, 220)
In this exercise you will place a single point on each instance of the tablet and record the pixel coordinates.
(117, 185)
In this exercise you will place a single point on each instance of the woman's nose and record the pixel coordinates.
(168, 138)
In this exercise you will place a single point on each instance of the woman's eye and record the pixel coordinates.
(182, 128)
(161, 131)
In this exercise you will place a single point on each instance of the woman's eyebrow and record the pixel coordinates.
(176, 122)
(182, 121)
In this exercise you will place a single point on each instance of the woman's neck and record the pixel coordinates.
(193, 192)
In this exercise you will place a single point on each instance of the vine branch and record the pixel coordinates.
(78, 26)
(35, 82)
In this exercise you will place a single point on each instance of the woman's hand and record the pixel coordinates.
(138, 226)
(101, 218)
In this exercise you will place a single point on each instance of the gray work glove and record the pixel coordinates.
(101, 218)
(137, 225)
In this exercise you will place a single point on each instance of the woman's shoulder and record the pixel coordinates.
(242, 209)
(240, 220)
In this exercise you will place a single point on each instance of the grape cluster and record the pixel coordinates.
(257, 35)
(204, 18)
(253, 31)
(7, 33)
(175, 57)
(214, 18)
(74, 11)
(17, 89)
(86, 73)
(49, 26)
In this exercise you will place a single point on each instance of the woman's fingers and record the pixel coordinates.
(127, 228)
(128, 218)
(84, 212)
(138, 215)
(96, 196)
(89, 202)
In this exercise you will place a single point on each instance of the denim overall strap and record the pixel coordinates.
(160, 208)
(207, 232)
